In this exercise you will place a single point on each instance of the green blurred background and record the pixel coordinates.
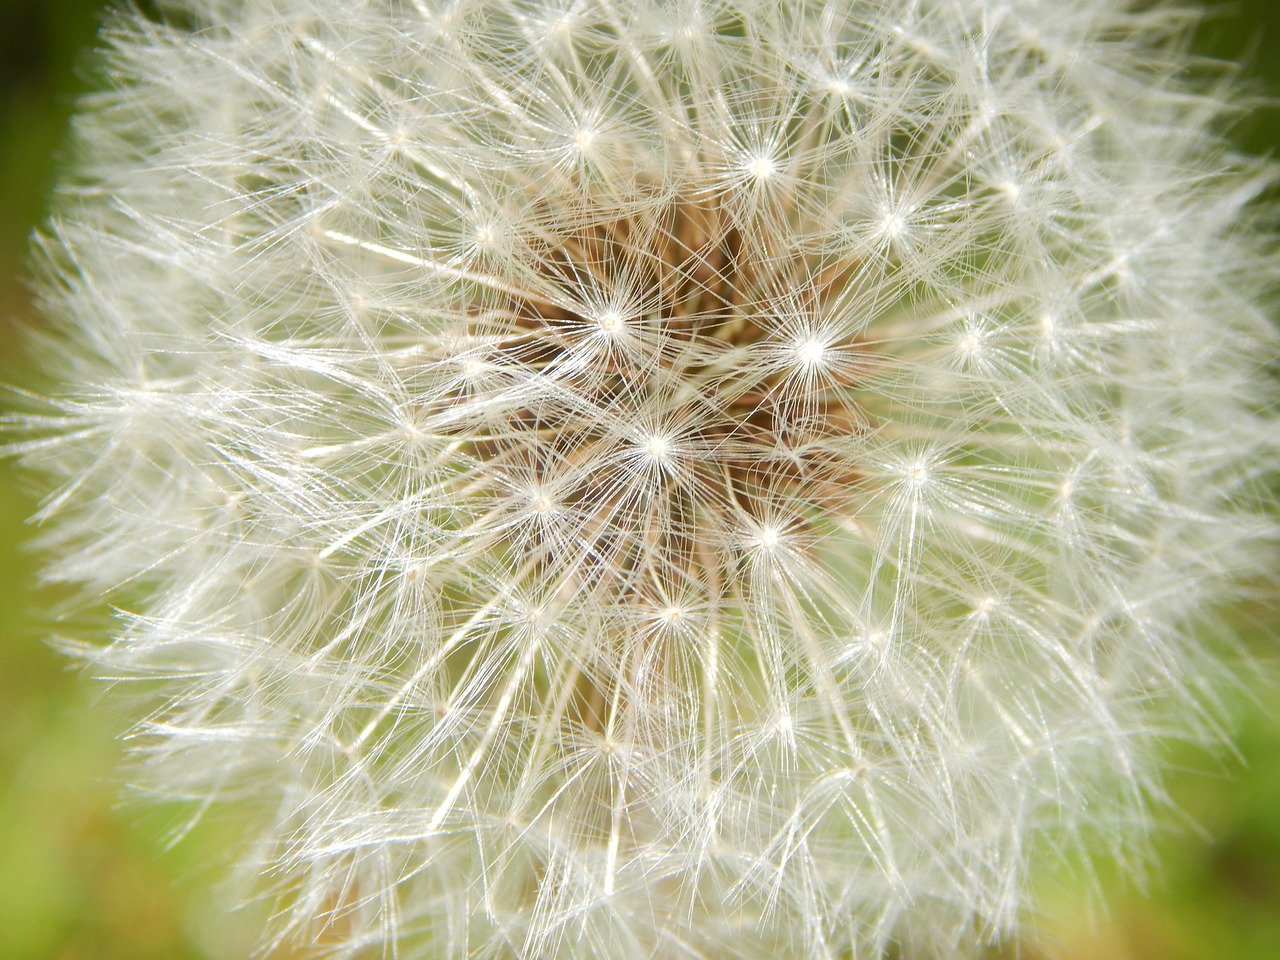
(86, 875)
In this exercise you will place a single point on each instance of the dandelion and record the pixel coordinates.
(720, 478)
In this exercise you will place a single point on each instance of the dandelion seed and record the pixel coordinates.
(811, 353)
(657, 448)
(761, 168)
(610, 323)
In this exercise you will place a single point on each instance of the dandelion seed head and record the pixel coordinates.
(729, 478)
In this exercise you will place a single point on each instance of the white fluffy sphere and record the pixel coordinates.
(610, 478)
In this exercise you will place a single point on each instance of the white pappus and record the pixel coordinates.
(629, 479)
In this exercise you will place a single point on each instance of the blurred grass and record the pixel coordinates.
(83, 878)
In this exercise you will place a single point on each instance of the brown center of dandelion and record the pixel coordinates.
(661, 392)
